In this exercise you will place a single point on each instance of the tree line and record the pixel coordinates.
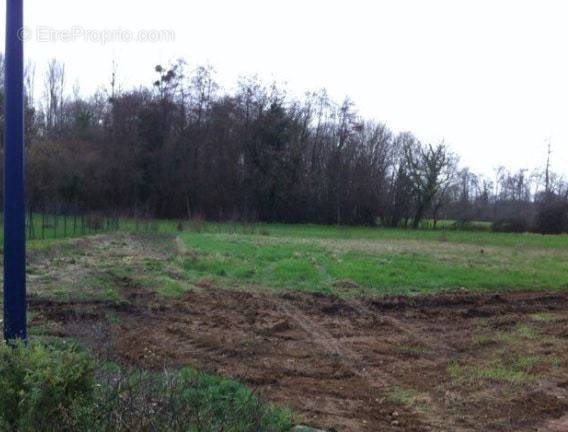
(181, 147)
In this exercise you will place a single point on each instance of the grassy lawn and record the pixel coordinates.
(349, 261)
(373, 261)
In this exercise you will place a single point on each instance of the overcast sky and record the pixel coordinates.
(490, 78)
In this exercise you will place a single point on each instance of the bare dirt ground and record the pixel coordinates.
(453, 362)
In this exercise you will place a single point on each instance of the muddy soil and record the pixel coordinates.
(453, 362)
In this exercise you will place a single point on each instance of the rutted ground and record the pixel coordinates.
(453, 362)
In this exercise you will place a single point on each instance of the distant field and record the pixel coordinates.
(355, 261)
(308, 231)
(348, 260)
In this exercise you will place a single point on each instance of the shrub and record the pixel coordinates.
(50, 389)
(552, 216)
(40, 386)
(511, 225)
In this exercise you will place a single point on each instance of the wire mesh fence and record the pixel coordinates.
(41, 226)
(48, 225)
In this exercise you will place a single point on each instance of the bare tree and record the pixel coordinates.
(431, 171)
(54, 93)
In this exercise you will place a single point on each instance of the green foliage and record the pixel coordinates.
(416, 401)
(515, 371)
(186, 400)
(527, 332)
(41, 385)
(59, 389)
(168, 287)
(543, 316)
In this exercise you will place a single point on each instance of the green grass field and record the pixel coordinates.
(363, 261)
(352, 261)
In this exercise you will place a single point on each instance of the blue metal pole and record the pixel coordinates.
(14, 193)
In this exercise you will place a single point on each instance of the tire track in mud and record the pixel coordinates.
(332, 346)
(415, 333)
(372, 375)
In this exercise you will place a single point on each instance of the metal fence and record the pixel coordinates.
(41, 226)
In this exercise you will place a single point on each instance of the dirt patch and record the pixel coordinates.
(355, 365)
(455, 362)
